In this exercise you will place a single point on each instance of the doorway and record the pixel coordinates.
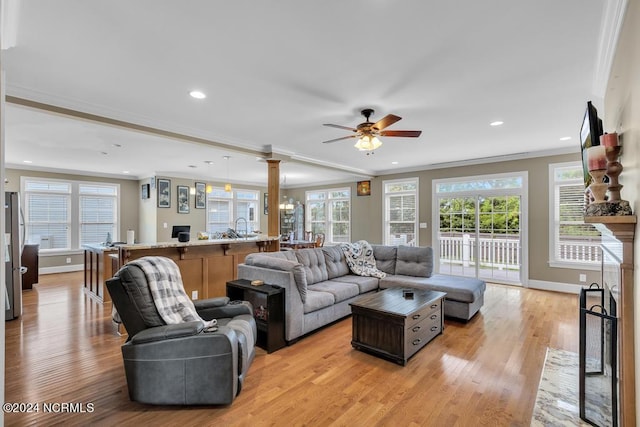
(478, 227)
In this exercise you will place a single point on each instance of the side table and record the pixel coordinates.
(268, 311)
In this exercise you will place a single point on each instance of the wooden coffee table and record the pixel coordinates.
(392, 325)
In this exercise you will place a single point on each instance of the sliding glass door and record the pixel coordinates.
(457, 234)
(499, 238)
(478, 228)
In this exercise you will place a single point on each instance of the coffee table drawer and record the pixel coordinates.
(429, 311)
(418, 335)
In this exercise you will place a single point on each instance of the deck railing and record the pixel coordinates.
(505, 252)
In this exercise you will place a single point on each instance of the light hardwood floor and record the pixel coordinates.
(484, 372)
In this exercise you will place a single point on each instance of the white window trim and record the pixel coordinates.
(76, 191)
(234, 200)
(328, 222)
(552, 221)
(74, 212)
(384, 206)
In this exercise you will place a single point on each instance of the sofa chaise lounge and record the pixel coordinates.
(319, 284)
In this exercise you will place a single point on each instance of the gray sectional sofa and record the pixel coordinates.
(319, 284)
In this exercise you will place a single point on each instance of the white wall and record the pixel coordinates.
(622, 115)
(147, 230)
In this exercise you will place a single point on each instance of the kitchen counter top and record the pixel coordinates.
(205, 265)
(99, 247)
(176, 244)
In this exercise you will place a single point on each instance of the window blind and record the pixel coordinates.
(50, 222)
(401, 212)
(573, 241)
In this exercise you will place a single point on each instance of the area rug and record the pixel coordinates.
(557, 399)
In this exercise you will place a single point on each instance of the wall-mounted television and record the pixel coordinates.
(177, 229)
(589, 136)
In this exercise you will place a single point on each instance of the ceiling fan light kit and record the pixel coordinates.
(368, 143)
(368, 132)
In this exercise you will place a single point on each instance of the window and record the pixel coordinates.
(401, 212)
(64, 215)
(329, 212)
(572, 243)
(98, 215)
(47, 214)
(225, 207)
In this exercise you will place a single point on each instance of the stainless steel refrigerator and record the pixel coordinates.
(13, 251)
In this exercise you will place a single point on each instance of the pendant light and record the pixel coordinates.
(209, 187)
(227, 186)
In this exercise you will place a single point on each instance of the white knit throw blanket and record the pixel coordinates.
(167, 290)
(359, 256)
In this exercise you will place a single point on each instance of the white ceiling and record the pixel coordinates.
(275, 71)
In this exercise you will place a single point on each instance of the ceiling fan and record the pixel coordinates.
(367, 132)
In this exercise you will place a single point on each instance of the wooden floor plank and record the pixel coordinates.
(484, 372)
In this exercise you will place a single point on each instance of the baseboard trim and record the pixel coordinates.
(567, 288)
(61, 269)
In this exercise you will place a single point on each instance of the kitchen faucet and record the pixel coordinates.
(246, 227)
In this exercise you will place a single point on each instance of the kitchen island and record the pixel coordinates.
(100, 263)
(206, 265)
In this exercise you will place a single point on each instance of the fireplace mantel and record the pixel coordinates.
(618, 233)
(623, 228)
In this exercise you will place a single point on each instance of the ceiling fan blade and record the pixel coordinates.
(387, 120)
(404, 133)
(339, 139)
(341, 127)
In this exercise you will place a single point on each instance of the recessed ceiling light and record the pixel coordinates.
(192, 166)
(565, 138)
(496, 123)
(27, 161)
(394, 163)
(125, 171)
(116, 145)
(209, 162)
(197, 94)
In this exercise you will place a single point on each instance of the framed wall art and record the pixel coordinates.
(265, 202)
(363, 188)
(144, 191)
(201, 195)
(164, 193)
(183, 199)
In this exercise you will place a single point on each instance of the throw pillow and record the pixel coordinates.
(415, 261)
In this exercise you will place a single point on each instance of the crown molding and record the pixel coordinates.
(483, 160)
(610, 27)
(10, 11)
(70, 172)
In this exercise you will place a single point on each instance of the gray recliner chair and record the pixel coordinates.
(181, 364)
